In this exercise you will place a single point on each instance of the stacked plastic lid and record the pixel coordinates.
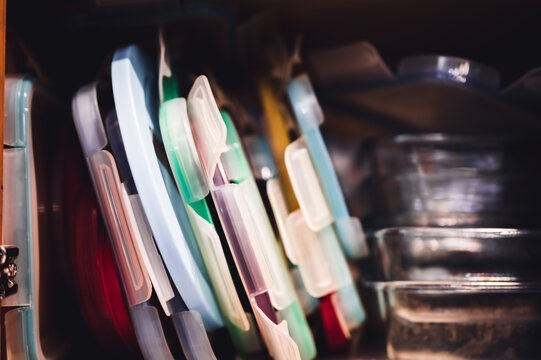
(171, 174)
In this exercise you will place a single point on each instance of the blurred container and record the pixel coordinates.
(449, 69)
(446, 180)
(462, 320)
(434, 254)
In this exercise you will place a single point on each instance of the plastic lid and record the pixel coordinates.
(17, 95)
(15, 229)
(142, 232)
(133, 80)
(208, 127)
(234, 160)
(450, 69)
(191, 181)
(181, 150)
(151, 258)
(87, 119)
(313, 262)
(149, 332)
(193, 338)
(238, 227)
(237, 168)
(279, 208)
(281, 289)
(114, 210)
(303, 99)
(218, 269)
(281, 346)
(260, 156)
(305, 182)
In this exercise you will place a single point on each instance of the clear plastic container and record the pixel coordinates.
(417, 253)
(443, 180)
(462, 320)
(450, 69)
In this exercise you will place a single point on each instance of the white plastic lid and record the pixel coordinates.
(306, 185)
(312, 260)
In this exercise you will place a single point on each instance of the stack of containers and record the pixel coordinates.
(452, 241)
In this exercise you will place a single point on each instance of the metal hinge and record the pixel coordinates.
(8, 270)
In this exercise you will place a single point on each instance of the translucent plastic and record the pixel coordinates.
(151, 257)
(209, 129)
(88, 122)
(280, 211)
(184, 161)
(133, 81)
(23, 322)
(447, 68)
(15, 222)
(114, 206)
(18, 344)
(150, 335)
(261, 160)
(193, 338)
(15, 131)
(306, 185)
(188, 172)
(231, 205)
(305, 104)
(110, 194)
(281, 346)
(238, 223)
(312, 261)
(309, 117)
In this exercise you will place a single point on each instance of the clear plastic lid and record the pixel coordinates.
(308, 115)
(16, 114)
(149, 332)
(151, 257)
(280, 344)
(87, 119)
(114, 207)
(306, 184)
(209, 129)
(313, 262)
(278, 204)
(193, 338)
(450, 69)
(179, 143)
(114, 210)
(238, 227)
(188, 172)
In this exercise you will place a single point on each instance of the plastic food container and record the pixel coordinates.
(449, 69)
(415, 253)
(441, 180)
(462, 320)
